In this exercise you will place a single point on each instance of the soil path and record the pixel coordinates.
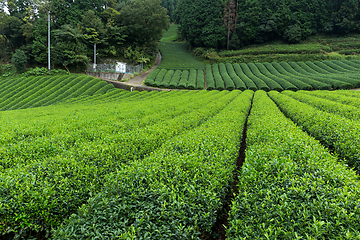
(138, 80)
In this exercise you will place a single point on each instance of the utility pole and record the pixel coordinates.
(94, 57)
(49, 41)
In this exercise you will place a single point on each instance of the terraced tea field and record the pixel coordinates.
(326, 75)
(164, 165)
(25, 92)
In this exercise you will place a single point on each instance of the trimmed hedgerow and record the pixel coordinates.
(286, 85)
(183, 80)
(176, 192)
(326, 105)
(210, 82)
(192, 80)
(229, 84)
(306, 79)
(337, 133)
(248, 82)
(219, 82)
(159, 77)
(167, 78)
(70, 157)
(273, 85)
(261, 85)
(337, 97)
(235, 78)
(290, 186)
(281, 73)
(150, 79)
(175, 79)
(200, 80)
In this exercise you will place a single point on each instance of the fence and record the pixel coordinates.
(115, 68)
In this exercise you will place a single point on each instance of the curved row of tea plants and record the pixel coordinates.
(28, 92)
(175, 193)
(51, 164)
(186, 79)
(337, 133)
(290, 186)
(288, 76)
(293, 76)
(345, 97)
(326, 105)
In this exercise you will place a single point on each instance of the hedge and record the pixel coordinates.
(281, 73)
(200, 80)
(219, 82)
(175, 193)
(175, 79)
(291, 187)
(150, 79)
(286, 85)
(261, 85)
(248, 82)
(334, 132)
(326, 105)
(167, 79)
(239, 84)
(229, 84)
(273, 85)
(183, 80)
(210, 82)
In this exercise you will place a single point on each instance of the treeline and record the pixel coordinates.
(235, 23)
(120, 29)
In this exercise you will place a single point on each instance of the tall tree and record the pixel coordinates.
(201, 22)
(230, 18)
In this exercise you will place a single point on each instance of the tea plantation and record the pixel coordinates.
(80, 159)
(325, 75)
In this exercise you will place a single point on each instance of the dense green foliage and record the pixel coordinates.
(290, 186)
(201, 22)
(127, 30)
(326, 105)
(234, 24)
(19, 60)
(337, 133)
(192, 177)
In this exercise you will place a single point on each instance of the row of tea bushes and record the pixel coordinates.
(175, 193)
(27, 92)
(290, 186)
(281, 76)
(326, 105)
(179, 79)
(337, 133)
(51, 168)
(345, 97)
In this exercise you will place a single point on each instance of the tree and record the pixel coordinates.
(201, 22)
(230, 18)
(19, 60)
(144, 21)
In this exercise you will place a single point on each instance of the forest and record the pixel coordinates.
(236, 23)
(123, 29)
(131, 29)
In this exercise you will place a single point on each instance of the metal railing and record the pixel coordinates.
(114, 68)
